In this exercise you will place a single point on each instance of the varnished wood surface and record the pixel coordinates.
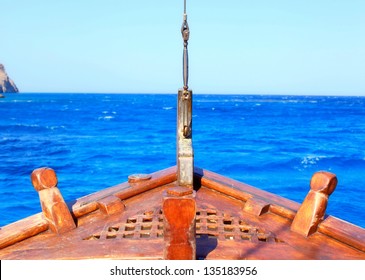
(125, 190)
(179, 210)
(233, 221)
(22, 229)
(313, 208)
(342, 230)
(54, 207)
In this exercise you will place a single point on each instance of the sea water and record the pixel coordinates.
(94, 141)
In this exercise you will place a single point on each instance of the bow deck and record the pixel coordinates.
(232, 221)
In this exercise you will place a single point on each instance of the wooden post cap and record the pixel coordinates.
(44, 178)
(313, 208)
(323, 182)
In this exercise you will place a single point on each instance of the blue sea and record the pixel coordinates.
(94, 141)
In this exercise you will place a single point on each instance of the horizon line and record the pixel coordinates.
(195, 93)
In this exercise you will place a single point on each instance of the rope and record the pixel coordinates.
(185, 34)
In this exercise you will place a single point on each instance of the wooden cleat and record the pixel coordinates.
(313, 208)
(53, 205)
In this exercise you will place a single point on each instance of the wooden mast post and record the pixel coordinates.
(179, 206)
(313, 208)
(53, 205)
(179, 210)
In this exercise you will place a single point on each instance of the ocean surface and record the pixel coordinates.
(94, 141)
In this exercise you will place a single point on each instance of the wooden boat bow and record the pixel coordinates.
(221, 219)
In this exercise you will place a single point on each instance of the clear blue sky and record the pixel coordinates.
(236, 46)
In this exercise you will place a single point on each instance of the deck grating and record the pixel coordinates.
(210, 223)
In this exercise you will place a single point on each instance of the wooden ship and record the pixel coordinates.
(182, 212)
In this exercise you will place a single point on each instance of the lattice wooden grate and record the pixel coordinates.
(221, 225)
(146, 225)
(210, 223)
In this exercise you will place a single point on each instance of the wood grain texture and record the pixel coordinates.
(22, 229)
(232, 221)
(111, 205)
(344, 232)
(313, 208)
(88, 204)
(179, 209)
(54, 208)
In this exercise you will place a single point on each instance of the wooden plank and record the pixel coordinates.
(158, 179)
(89, 203)
(282, 211)
(240, 190)
(22, 229)
(103, 249)
(344, 232)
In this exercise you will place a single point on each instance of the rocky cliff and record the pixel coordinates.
(6, 84)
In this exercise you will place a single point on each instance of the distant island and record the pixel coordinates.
(6, 84)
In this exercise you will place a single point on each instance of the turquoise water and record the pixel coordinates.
(95, 141)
